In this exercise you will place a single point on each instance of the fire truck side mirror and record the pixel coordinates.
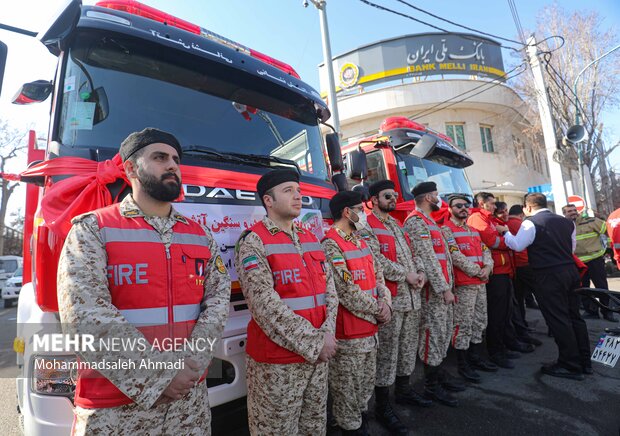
(424, 146)
(357, 167)
(3, 52)
(33, 92)
(334, 152)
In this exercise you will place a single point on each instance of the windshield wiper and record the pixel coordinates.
(247, 159)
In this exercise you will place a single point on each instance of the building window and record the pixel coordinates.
(456, 131)
(487, 139)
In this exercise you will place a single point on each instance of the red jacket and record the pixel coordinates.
(349, 326)
(613, 230)
(439, 244)
(387, 244)
(520, 257)
(138, 266)
(483, 221)
(470, 245)
(299, 280)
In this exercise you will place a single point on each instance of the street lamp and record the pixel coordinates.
(582, 137)
(321, 5)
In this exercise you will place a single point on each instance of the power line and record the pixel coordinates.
(383, 8)
(459, 25)
(517, 20)
(490, 85)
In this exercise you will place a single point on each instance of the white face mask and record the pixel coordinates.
(361, 221)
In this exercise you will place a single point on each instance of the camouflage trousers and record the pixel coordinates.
(398, 342)
(435, 328)
(190, 415)
(286, 399)
(351, 383)
(470, 315)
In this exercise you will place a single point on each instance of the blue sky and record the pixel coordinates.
(284, 29)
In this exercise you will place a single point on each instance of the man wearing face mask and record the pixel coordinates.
(472, 266)
(499, 287)
(404, 277)
(437, 298)
(364, 302)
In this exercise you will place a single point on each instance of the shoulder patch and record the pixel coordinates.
(346, 276)
(249, 263)
(273, 230)
(219, 264)
(338, 261)
(453, 248)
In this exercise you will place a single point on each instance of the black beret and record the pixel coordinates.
(148, 136)
(344, 199)
(379, 186)
(423, 188)
(274, 178)
(453, 197)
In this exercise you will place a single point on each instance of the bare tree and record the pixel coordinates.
(12, 144)
(586, 37)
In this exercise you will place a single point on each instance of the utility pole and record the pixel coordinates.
(555, 170)
(321, 5)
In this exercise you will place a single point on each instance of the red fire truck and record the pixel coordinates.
(124, 66)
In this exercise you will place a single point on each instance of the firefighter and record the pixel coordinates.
(290, 293)
(499, 286)
(591, 247)
(437, 297)
(472, 266)
(404, 277)
(364, 302)
(125, 267)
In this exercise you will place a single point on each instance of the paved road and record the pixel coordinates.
(8, 371)
(510, 402)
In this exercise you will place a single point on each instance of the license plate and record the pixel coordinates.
(607, 350)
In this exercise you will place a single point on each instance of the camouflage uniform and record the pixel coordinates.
(85, 306)
(283, 399)
(470, 307)
(352, 370)
(436, 322)
(398, 339)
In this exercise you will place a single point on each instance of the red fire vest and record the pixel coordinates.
(360, 264)
(439, 244)
(299, 281)
(157, 291)
(470, 245)
(387, 245)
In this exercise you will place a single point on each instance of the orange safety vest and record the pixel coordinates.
(157, 290)
(360, 263)
(470, 244)
(439, 244)
(299, 281)
(387, 245)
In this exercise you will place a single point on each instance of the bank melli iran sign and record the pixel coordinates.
(418, 55)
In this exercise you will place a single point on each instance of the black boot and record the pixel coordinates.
(475, 360)
(384, 413)
(404, 393)
(433, 389)
(465, 370)
(449, 382)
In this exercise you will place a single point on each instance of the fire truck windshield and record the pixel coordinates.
(449, 180)
(112, 86)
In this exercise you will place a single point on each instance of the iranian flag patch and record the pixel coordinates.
(338, 261)
(249, 263)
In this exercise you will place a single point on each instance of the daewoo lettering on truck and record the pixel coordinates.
(124, 66)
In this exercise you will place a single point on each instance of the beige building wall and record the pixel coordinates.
(512, 167)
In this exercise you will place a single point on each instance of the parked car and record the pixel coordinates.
(10, 291)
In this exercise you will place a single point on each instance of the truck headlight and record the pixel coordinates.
(54, 375)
